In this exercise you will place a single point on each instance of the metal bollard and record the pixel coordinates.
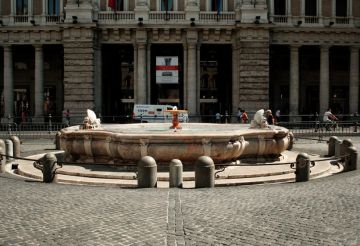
(346, 143)
(57, 141)
(291, 141)
(16, 145)
(331, 145)
(176, 174)
(49, 167)
(9, 149)
(147, 172)
(338, 143)
(3, 158)
(355, 126)
(204, 172)
(302, 167)
(351, 161)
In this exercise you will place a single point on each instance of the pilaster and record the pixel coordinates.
(294, 80)
(354, 80)
(324, 78)
(8, 82)
(39, 83)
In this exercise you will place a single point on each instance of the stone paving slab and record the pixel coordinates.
(319, 212)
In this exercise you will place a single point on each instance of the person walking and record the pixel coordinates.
(238, 116)
(244, 117)
(269, 117)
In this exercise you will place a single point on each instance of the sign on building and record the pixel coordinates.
(167, 70)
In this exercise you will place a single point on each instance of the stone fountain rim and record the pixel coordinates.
(244, 131)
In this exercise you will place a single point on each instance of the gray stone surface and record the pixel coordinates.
(319, 212)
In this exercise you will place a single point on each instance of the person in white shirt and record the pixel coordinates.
(329, 118)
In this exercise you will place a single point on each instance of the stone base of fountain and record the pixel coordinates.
(127, 143)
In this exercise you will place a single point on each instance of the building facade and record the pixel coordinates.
(208, 56)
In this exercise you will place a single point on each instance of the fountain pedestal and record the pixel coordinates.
(175, 120)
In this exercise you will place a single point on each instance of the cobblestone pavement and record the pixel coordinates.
(319, 212)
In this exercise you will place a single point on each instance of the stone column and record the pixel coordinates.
(8, 82)
(39, 83)
(354, 80)
(191, 79)
(185, 48)
(324, 79)
(235, 77)
(198, 51)
(294, 80)
(141, 74)
(148, 72)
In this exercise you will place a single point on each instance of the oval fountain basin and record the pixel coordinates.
(127, 143)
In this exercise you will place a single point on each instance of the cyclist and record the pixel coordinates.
(329, 120)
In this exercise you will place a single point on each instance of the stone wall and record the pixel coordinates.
(254, 75)
(37, 7)
(295, 7)
(326, 8)
(5, 7)
(356, 8)
(79, 76)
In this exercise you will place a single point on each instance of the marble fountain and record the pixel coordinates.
(118, 144)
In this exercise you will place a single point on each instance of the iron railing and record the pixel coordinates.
(299, 125)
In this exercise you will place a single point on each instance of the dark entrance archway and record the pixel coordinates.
(215, 80)
(117, 82)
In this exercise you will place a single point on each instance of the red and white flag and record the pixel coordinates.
(112, 4)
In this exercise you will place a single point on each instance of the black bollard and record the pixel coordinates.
(176, 174)
(49, 167)
(57, 141)
(331, 145)
(16, 145)
(351, 159)
(346, 143)
(147, 172)
(204, 172)
(302, 167)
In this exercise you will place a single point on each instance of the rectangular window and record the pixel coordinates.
(216, 5)
(53, 7)
(21, 7)
(167, 5)
(280, 7)
(341, 8)
(310, 7)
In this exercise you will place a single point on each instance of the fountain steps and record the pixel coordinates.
(235, 175)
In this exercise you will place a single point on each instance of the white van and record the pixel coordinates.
(155, 113)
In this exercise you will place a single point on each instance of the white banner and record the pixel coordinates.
(167, 70)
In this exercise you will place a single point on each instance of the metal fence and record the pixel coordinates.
(300, 125)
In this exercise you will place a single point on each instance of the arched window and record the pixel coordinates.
(116, 5)
(167, 5)
(53, 7)
(21, 7)
(280, 7)
(341, 8)
(217, 5)
(311, 8)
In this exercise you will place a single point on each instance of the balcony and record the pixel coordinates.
(207, 17)
(21, 19)
(173, 16)
(285, 20)
(311, 19)
(115, 17)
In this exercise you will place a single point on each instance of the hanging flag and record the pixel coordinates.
(112, 4)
